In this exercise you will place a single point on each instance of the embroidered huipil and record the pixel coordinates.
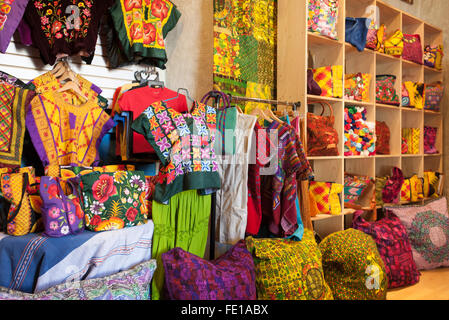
(184, 142)
(66, 134)
(65, 27)
(142, 26)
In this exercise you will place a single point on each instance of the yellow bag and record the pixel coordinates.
(394, 46)
(412, 138)
(412, 189)
(431, 181)
(380, 46)
(337, 81)
(327, 196)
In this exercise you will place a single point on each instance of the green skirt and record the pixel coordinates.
(183, 223)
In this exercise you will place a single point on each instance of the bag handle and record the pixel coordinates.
(222, 96)
(322, 103)
(16, 212)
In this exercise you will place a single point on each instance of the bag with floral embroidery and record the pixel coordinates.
(433, 57)
(385, 90)
(323, 16)
(62, 215)
(114, 200)
(433, 95)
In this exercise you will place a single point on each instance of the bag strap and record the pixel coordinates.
(222, 97)
(17, 210)
(323, 103)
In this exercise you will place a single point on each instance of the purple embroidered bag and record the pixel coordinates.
(394, 247)
(62, 215)
(229, 277)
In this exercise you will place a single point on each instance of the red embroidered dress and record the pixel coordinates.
(184, 142)
(65, 27)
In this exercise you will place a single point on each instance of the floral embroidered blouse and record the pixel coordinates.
(184, 142)
(67, 27)
(142, 26)
(66, 134)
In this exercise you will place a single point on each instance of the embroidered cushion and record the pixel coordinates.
(323, 16)
(353, 267)
(229, 277)
(114, 200)
(132, 284)
(288, 270)
(428, 230)
(394, 248)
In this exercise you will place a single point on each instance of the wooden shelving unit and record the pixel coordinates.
(294, 45)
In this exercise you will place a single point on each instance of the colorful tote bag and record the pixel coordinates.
(413, 94)
(288, 270)
(323, 17)
(385, 90)
(394, 45)
(433, 95)
(381, 37)
(431, 183)
(394, 248)
(21, 218)
(327, 196)
(383, 138)
(412, 189)
(322, 137)
(392, 188)
(61, 214)
(330, 80)
(412, 139)
(433, 56)
(114, 200)
(430, 138)
(413, 50)
(353, 267)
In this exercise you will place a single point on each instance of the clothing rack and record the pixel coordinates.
(216, 96)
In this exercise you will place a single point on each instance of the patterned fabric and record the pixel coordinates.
(413, 94)
(428, 230)
(322, 17)
(383, 138)
(337, 81)
(433, 56)
(394, 248)
(353, 267)
(380, 184)
(430, 137)
(412, 138)
(21, 219)
(354, 187)
(62, 215)
(114, 200)
(64, 134)
(184, 142)
(326, 195)
(433, 96)
(230, 277)
(412, 48)
(132, 284)
(353, 84)
(385, 90)
(323, 76)
(288, 270)
(392, 188)
(13, 104)
(9, 79)
(142, 27)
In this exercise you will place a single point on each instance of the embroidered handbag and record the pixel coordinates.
(433, 95)
(359, 192)
(391, 192)
(330, 80)
(21, 218)
(357, 86)
(413, 94)
(430, 137)
(412, 139)
(371, 39)
(114, 200)
(327, 197)
(62, 215)
(323, 17)
(381, 38)
(385, 90)
(322, 138)
(433, 56)
(394, 46)
(412, 189)
(383, 138)
(413, 50)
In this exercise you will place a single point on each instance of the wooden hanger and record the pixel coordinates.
(270, 113)
(261, 114)
(71, 85)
